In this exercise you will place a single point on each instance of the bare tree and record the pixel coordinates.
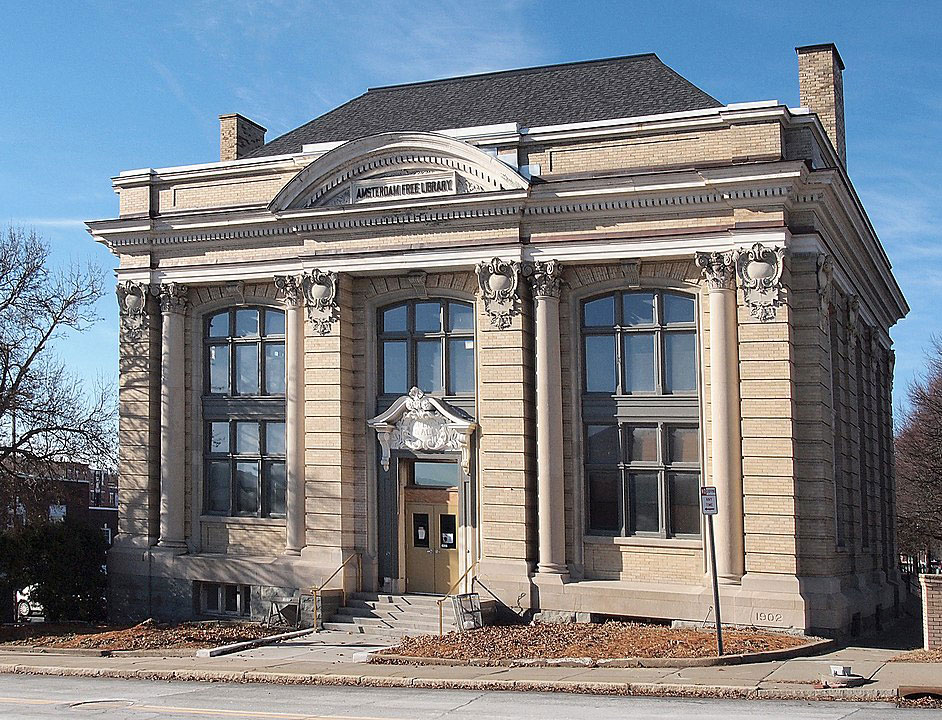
(919, 462)
(47, 415)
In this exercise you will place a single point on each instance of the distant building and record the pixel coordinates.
(506, 326)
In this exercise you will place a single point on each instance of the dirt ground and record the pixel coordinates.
(146, 636)
(582, 640)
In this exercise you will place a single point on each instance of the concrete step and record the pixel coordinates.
(424, 601)
(392, 614)
(387, 624)
(375, 634)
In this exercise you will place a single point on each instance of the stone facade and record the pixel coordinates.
(745, 211)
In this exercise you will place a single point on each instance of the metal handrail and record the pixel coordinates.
(317, 590)
(441, 600)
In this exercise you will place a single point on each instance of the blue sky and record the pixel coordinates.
(90, 89)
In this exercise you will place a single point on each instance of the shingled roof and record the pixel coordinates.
(549, 95)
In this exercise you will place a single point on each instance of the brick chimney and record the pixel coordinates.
(238, 136)
(821, 89)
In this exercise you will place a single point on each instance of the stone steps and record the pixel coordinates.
(386, 616)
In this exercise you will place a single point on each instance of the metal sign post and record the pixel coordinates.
(708, 507)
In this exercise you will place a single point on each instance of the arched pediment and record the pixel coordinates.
(420, 422)
(396, 167)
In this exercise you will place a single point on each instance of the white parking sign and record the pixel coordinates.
(708, 500)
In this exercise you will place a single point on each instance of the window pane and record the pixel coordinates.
(460, 317)
(684, 444)
(684, 489)
(219, 325)
(275, 481)
(599, 313)
(211, 593)
(247, 488)
(642, 444)
(219, 369)
(394, 319)
(246, 371)
(219, 437)
(637, 309)
(232, 598)
(428, 365)
(275, 438)
(461, 366)
(680, 362)
(274, 322)
(435, 474)
(217, 487)
(604, 515)
(600, 363)
(643, 502)
(428, 317)
(275, 368)
(638, 357)
(246, 441)
(601, 444)
(678, 308)
(246, 323)
(394, 367)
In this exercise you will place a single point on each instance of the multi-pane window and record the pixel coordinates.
(640, 414)
(244, 412)
(427, 344)
(245, 467)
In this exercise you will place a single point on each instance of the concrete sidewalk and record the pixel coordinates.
(326, 658)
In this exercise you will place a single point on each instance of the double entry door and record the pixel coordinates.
(431, 538)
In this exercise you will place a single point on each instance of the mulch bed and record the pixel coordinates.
(492, 645)
(148, 635)
(919, 656)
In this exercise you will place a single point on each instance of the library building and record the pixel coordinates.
(493, 334)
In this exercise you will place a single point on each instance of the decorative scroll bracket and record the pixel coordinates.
(317, 292)
(760, 274)
(419, 422)
(499, 281)
(132, 307)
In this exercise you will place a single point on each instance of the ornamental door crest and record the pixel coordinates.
(423, 423)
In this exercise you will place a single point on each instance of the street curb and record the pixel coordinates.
(813, 648)
(576, 687)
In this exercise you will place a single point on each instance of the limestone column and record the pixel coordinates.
(544, 279)
(173, 299)
(292, 288)
(719, 272)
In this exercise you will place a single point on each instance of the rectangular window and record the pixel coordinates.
(245, 468)
(275, 368)
(246, 369)
(225, 599)
(461, 366)
(428, 360)
(600, 363)
(219, 369)
(394, 367)
(604, 514)
(639, 363)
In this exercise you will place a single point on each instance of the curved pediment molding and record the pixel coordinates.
(423, 423)
(396, 166)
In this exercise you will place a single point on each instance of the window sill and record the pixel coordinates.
(237, 520)
(636, 541)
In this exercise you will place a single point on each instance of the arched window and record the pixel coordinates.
(640, 413)
(244, 412)
(427, 344)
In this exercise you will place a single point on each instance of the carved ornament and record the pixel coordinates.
(499, 283)
(172, 296)
(316, 291)
(544, 278)
(132, 307)
(718, 269)
(422, 423)
(760, 275)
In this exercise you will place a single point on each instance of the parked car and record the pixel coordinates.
(26, 607)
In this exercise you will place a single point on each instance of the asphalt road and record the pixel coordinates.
(26, 697)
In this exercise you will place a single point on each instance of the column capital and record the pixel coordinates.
(172, 296)
(291, 289)
(544, 277)
(132, 307)
(718, 268)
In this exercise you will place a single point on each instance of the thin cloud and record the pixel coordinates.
(52, 222)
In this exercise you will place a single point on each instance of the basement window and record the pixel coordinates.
(225, 599)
